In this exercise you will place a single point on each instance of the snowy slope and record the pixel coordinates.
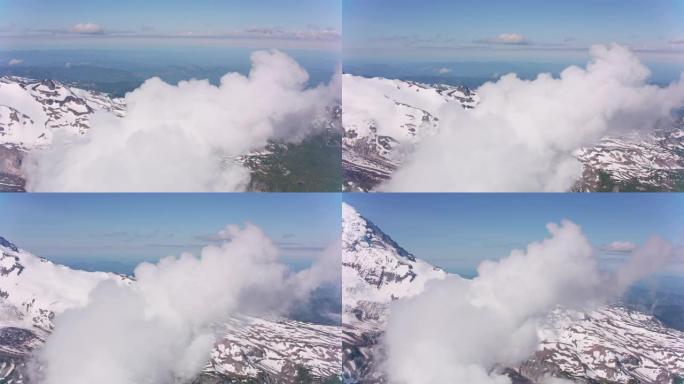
(403, 110)
(34, 290)
(32, 111)
(385, 119)
(610, 345)
(375, 269)
(650, 160)
(613, 344)
(276, 347)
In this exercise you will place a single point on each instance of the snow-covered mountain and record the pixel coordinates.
(375, 271)
(384, 119)
(34, 290)
(33, 111)
(610, 345)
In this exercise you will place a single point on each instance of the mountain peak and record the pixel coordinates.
(357, 228)
(374, 267)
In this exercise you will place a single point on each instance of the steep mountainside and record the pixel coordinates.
(613, 344)
(375, 271)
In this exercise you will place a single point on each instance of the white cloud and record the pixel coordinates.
(15, 61)
(677, 41)
(506, 38)
(158, 329)
(288, 34)
(620, 246)
(522, 135)
(444, 71)
(185, 137)
(87, 29)
(458, 330)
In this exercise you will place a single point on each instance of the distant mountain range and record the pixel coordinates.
(34, 290)
(371, 153)
(611, 345)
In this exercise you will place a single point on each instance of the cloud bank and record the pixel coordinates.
(522, 135)
(475, 325)
(157, 330)
(185, 137)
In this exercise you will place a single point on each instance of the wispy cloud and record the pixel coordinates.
(137, 235)
(443, 71)
(87, 29)
(223, 235)
(619, 246)
(505, 38)
(209, 238)
(291, 246)
(414, 40)
(679, 40)
(15, 61)
(309, 33)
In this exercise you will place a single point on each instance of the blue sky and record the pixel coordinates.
(457, 231)
(120, 230)
(504, 30)
(273, 23)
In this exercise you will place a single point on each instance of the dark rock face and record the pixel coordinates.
(11, 178)
(7, 244)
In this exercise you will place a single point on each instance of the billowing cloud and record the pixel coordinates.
(87, 29)
(15, 61)
(459, 330)
(522, 135)
(506, 38)
(186, 137)
(157, 330)
(619, 246)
